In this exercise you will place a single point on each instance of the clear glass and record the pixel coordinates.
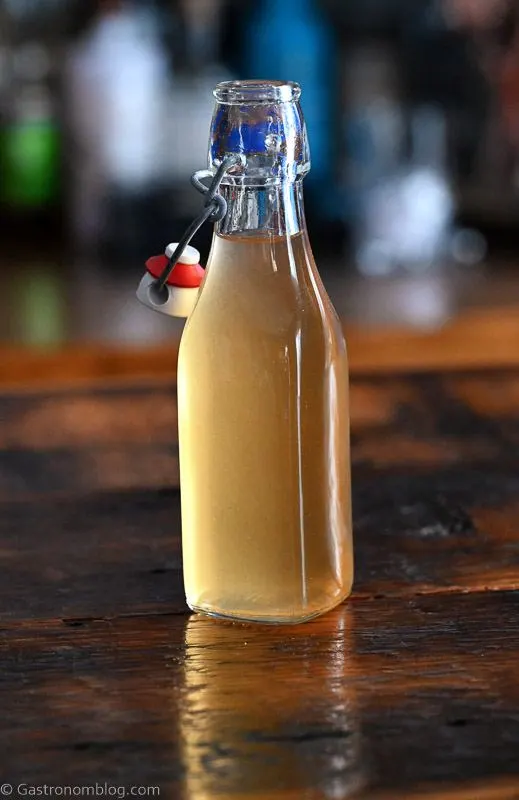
(263, 404)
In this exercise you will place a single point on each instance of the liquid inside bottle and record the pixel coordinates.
(263, 420)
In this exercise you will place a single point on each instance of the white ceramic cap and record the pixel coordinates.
(179, 301)
(190, 255)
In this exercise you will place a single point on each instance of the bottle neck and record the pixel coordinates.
(263, 210)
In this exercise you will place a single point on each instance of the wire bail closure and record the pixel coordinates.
(215, 208)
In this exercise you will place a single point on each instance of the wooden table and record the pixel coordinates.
(409, 690)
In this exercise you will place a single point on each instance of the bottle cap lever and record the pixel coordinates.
(177, 298)
(173, 279)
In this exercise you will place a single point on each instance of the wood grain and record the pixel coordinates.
(418, 420)
(110, 553)
(407, 691)
(499, 789)
(378, 694)
(90, 510)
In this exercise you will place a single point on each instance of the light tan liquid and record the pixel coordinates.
(264, 436)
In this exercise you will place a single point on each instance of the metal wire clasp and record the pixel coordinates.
(215, 208)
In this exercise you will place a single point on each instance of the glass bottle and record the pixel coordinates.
(263, 386)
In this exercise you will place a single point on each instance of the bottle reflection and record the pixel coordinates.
(269, 709)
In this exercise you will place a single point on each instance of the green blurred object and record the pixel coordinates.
(30, 163)
(41, 303)
(30, 138)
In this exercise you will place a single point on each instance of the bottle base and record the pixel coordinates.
(266, 619)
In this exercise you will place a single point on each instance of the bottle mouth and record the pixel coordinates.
(256, 92)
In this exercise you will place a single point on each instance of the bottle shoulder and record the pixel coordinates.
(256, 285)
(253, 314)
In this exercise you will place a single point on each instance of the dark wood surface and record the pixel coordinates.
(409, 690)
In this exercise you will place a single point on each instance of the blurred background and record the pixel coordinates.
(412, 109)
